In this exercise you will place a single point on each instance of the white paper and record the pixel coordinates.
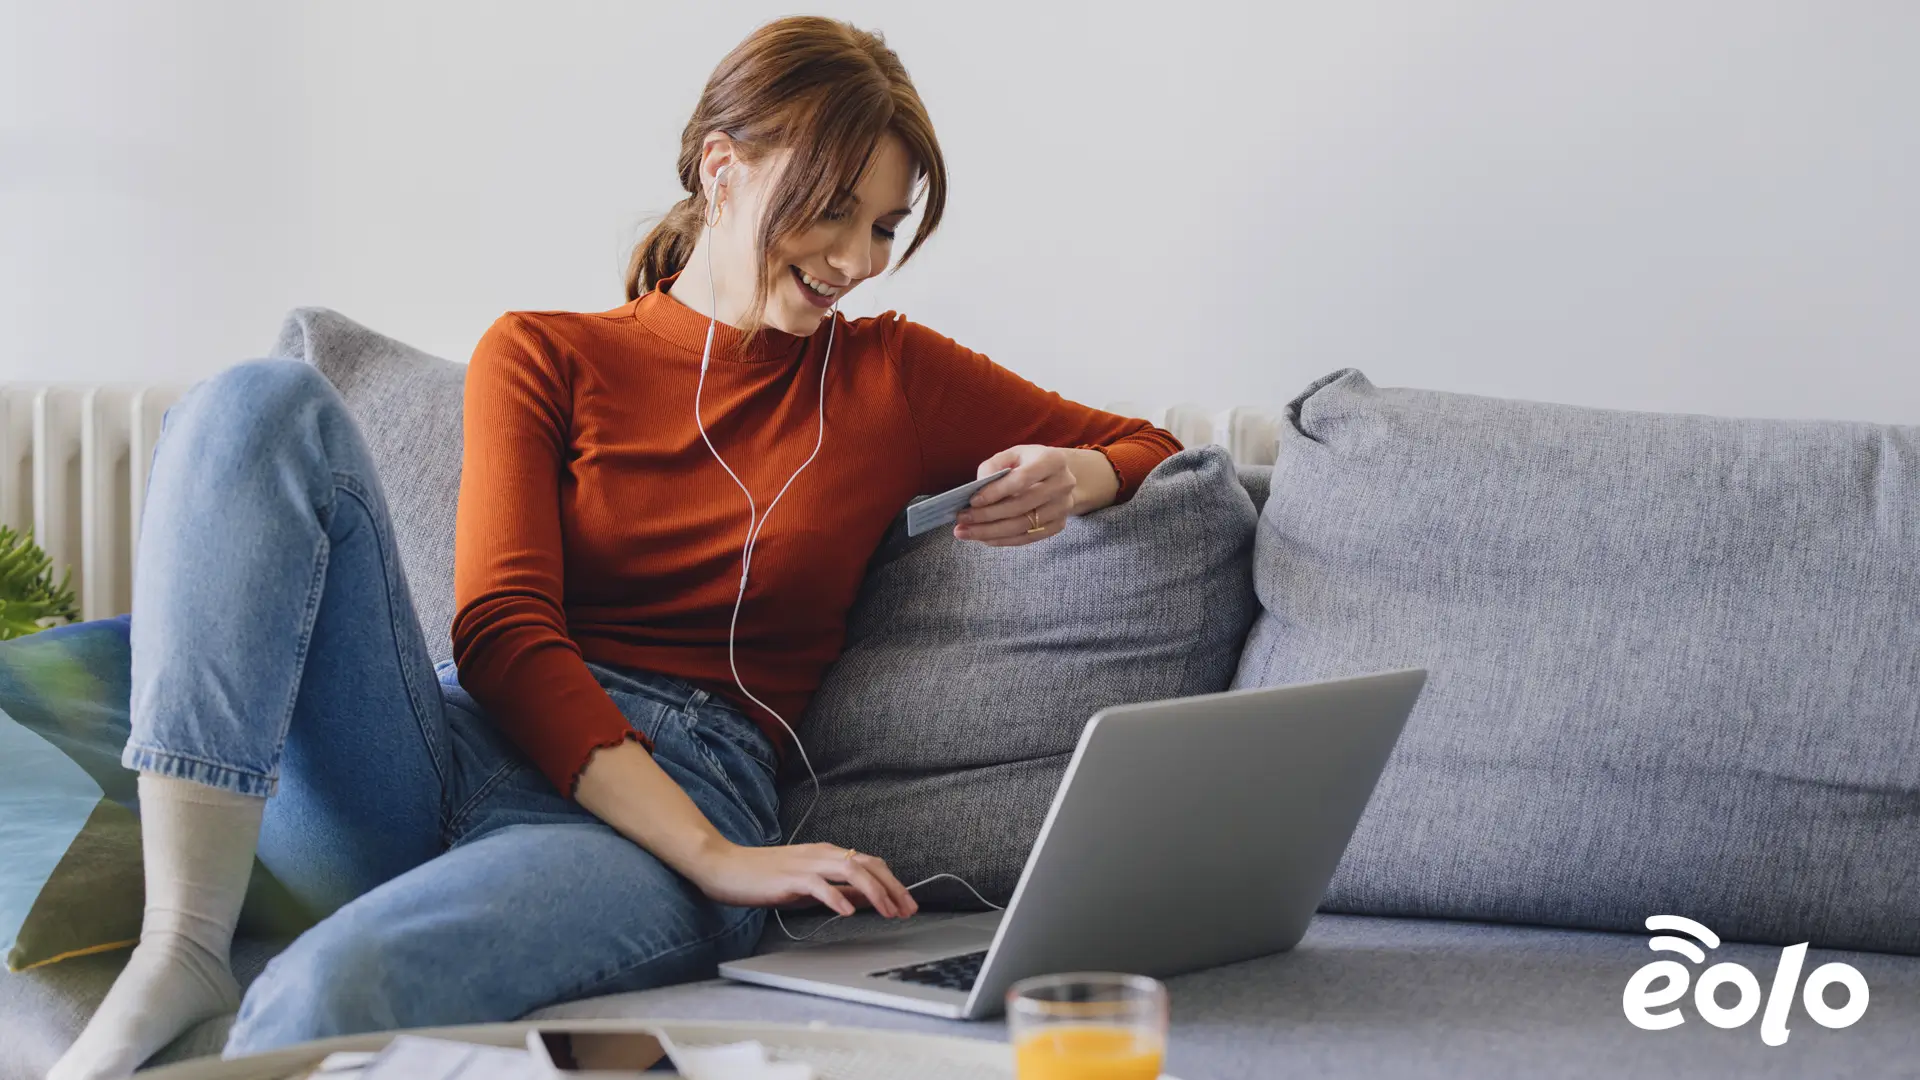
(344, 1065)
(735, 1061)
(410, 1057)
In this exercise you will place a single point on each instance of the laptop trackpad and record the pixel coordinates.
(887, 949)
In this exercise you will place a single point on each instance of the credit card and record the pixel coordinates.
(931, 513)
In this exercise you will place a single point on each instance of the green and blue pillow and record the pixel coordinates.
(70, 868)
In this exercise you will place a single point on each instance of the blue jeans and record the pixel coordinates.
(275, 652)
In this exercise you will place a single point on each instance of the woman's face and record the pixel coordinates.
(812, 269)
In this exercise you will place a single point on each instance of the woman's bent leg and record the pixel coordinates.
(273, 639)
(524, 917)
(273, 635)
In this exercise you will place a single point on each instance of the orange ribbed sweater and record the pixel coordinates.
(593, 523)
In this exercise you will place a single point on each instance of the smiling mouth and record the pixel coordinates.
(816, 290)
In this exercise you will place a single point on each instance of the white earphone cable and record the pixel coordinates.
(757, 520)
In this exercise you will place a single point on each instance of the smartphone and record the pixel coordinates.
(595, 1055)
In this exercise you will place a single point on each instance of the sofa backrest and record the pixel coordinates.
(1675, 660)
(407, 404)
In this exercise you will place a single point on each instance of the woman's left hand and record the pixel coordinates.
(1030, 503)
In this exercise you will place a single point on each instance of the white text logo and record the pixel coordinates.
(1641, 998)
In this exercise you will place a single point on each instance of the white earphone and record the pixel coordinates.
(713, 196)
(757, 520)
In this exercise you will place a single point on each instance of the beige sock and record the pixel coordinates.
(197, 844)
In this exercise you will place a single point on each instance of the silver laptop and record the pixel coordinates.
(1185, 834)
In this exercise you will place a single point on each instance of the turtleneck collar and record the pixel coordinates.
(678, 324)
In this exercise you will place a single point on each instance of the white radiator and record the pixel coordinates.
(1250, 434)
(73, 468)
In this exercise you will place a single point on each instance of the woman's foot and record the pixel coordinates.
(170, 983)
(197, 846)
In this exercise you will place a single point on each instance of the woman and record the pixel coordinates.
(583, 801)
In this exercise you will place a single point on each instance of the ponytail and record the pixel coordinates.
(665, 250)
(826, 91)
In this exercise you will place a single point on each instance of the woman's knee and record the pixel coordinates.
(251, 408)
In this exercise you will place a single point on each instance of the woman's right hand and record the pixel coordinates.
(773, 876)
(623, 786)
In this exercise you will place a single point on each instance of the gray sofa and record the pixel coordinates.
(1673, 671)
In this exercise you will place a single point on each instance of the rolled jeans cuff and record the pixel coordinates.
(182, 767)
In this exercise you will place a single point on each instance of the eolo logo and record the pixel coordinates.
(1641, 999)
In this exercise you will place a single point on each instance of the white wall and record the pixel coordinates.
(1695, 205)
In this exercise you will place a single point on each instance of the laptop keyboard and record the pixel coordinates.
(947, 973)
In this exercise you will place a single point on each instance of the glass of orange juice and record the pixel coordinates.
(1093, 1025)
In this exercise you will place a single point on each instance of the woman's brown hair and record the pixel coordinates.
(828, 92)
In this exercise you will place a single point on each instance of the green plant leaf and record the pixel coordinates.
(29, 599)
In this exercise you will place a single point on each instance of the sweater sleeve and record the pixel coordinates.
(510, 640)
(966, 408)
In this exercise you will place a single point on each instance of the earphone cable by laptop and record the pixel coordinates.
(830, 920)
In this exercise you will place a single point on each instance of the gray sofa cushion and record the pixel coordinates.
(1375, 997)
(1402, 999)
(1673, 658)
(408, 406)
(943, 729)
(1256, 479)
(42, 1011)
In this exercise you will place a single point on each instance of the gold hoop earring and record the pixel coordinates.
(712, 216)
